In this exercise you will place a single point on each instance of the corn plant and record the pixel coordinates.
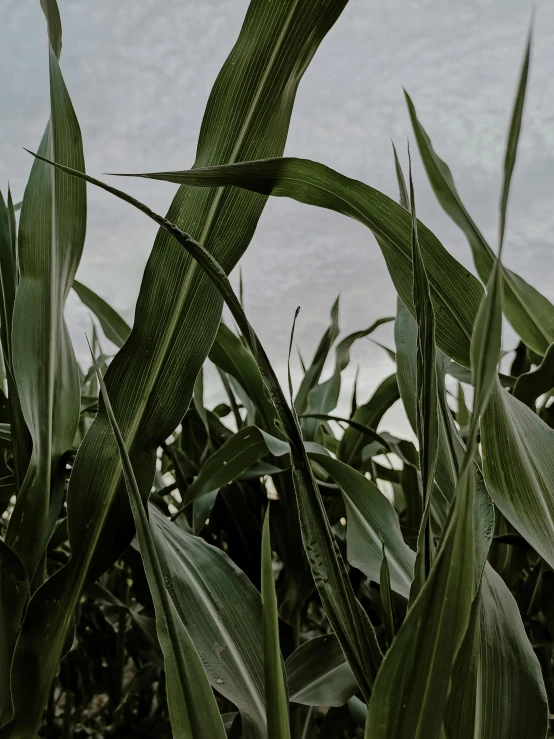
(272, 566)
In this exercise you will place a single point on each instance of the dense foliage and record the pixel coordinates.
(269, 567)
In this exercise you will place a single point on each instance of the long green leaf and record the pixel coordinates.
(222, 612)
(492, 654)
(14, 593)
(8, 282)
(345, 613)
(323, 398)
(318, 673)
(518, 449)
(498, 689)
(192, 706)
(371, 520)
(178, 312)
(369, 415)
(114, 327)
(427, 422)
(529, 312)
(313, 372)
(51, 238)
(278, 726)
(454, 291)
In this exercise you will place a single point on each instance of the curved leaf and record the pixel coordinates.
(222, 612)
(454, 291)
(371, 521)
(115, 328)
(369, 415)
(318, 673)
(151, 380)
(500, 694)
(518, 449)
(529, 312)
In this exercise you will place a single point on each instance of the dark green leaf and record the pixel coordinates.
(276, 694)
(318, 673)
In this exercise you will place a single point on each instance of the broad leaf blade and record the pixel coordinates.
(222, 612)
(51, 238)
(371, 520)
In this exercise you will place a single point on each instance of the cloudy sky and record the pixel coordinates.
(139, 73)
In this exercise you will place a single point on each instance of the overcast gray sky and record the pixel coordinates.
(139, 73)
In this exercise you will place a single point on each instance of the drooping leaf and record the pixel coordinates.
(529, 312)
(115, 328)
(370, 521)
(531, 385)
(454, 291)
(151, 380)
(318, 673)
(222, 612)
(278, 726)
(346, 615)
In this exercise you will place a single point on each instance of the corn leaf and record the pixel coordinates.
(517, 448)
(278, 726)
(318, 673)
(529, 312)
(192, 706)
(113, 326)
(8, 282)
(313, 371)
(531, 385)
(369, 415)
(222, 612)
(488, 664)
(51, 238)
(151, 380)
(455, 293)
(230, 355)
(498, 689)
(427, 421)
(323, 398)
(370, 521)
(14, 593)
